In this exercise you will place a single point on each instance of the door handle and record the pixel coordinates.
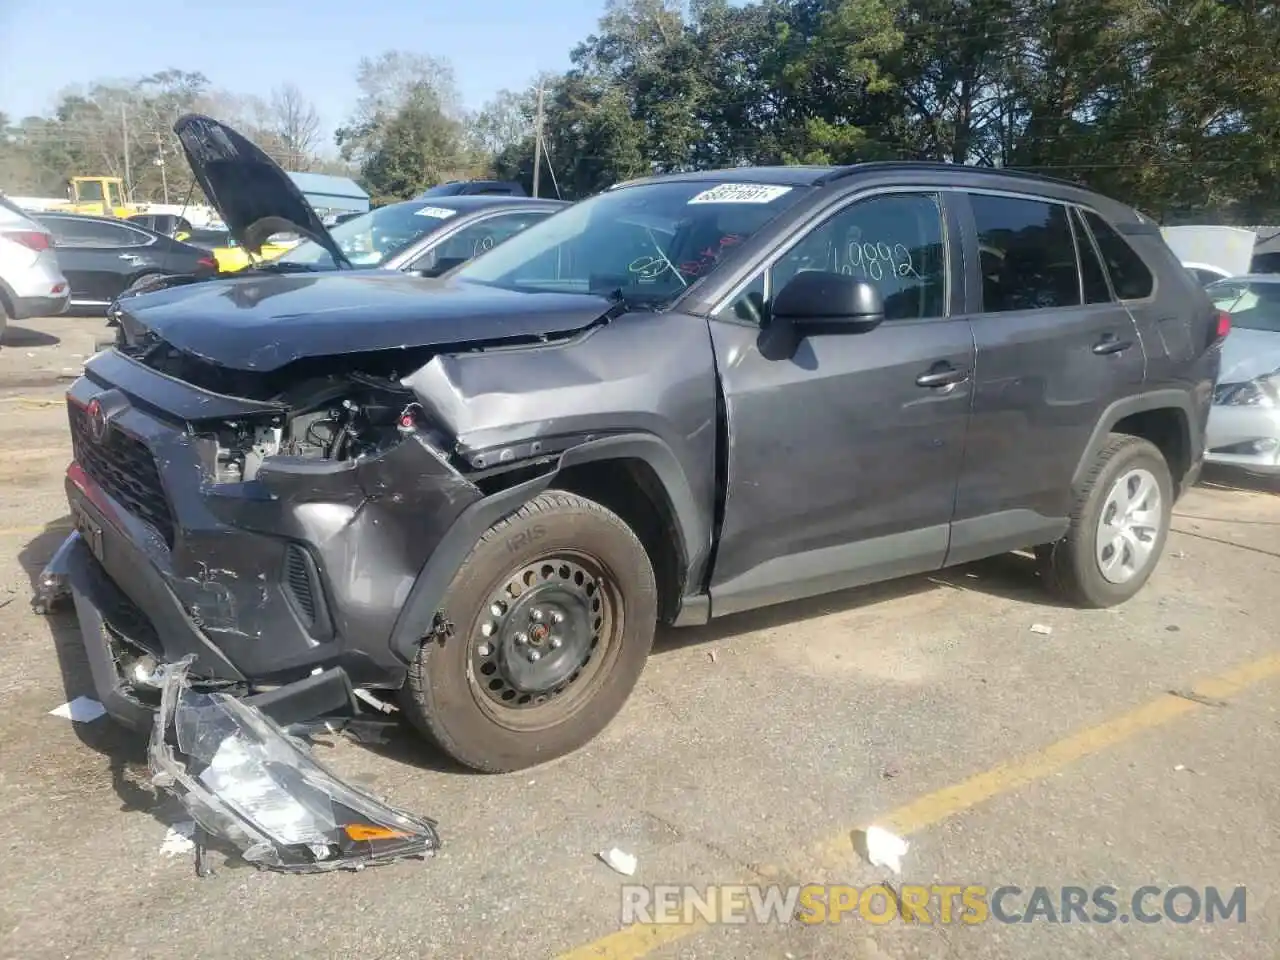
(941, 375)
(1111, 344)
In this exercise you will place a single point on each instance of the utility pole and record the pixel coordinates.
(124, 127)
(537, 144)
(164, 177)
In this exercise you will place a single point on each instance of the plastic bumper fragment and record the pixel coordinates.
(53, 588)
(242, 778)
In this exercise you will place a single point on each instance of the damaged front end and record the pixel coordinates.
(243, 779)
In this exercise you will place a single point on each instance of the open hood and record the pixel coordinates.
(248, 189)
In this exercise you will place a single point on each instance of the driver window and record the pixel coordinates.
(473, 240)
(895, 242)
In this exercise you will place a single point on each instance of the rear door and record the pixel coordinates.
(102, 258)
(1054, 349)
(842, 461)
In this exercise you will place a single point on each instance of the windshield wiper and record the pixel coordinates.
(281, 266)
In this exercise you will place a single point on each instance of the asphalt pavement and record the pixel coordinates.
(1011, 742)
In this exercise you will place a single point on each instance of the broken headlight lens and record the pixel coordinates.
(244, 779)
(1263, 392)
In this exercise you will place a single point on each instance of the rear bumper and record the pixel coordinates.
(1245, 437)
(24, 308)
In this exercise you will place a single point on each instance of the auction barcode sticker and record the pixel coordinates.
(441, 213)
(741, 193)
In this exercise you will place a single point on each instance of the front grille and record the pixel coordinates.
(125, 469)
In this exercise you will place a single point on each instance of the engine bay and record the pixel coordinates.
(332, 418)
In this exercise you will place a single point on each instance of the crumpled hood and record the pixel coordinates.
(1249, 354)
(248, 189)
(264, 322)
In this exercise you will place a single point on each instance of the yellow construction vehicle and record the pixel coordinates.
(97, 196)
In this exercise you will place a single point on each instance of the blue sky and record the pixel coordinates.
(249, 47)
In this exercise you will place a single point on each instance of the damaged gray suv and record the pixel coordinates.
(688, 396)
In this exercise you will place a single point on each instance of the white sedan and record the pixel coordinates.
(1244, 422)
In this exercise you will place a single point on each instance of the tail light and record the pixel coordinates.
(208, 263)
(31, 239)
(1222, 327)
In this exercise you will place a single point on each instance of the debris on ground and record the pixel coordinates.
(623, 863)
(712, 656)
(246, 781)
(1197, 698)
(179, 839)
(890, 771)
(80, 710)
(1041, 628)
(885, 849)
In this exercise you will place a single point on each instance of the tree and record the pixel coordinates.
(292, 118)
(387, 85)
(416, 148)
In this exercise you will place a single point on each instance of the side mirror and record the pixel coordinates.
(834, 301)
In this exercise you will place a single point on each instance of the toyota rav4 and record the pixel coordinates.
(685, 397)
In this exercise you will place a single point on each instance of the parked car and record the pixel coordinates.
(426, 237)
(684, 397)
(31, 281)
(468, 188)
(169, 224)
(103, 257)
(1244, 423)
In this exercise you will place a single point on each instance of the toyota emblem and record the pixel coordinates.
(97, 418)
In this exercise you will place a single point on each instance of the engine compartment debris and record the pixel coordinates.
(243, 779)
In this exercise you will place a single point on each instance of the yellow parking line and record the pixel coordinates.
(639, 940)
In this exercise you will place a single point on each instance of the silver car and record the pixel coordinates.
(1244, 423)
(31, 283)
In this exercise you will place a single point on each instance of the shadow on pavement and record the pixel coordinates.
(125, 751)
(16, 336)
(1225, 478)
(1010, 576)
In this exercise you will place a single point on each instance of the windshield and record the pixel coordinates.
(372, 238)
(1253, 305)
(645, 243)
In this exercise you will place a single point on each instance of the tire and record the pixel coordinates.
(478, 693)
(142, 282)
(1073, 567)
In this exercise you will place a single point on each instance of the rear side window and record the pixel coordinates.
(1027, 254)
(1129, 275)
(1091, 272)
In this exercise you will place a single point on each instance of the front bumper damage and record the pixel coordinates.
(290, 586)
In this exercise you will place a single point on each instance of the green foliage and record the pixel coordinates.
(1170, 105)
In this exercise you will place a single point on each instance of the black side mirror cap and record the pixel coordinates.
(834, 301)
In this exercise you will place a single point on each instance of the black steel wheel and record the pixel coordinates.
(554, 614)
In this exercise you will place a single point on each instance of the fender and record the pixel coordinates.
(692, 529)
(1140, 403)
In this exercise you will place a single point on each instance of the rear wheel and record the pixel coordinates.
(553, 617)
(1118, 529)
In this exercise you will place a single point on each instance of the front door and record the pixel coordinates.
(842, 463)
(1055, 348)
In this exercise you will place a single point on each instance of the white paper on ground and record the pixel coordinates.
(178, 839)
(885, 849)
(741, 193)
(80, 710)
(624, 863)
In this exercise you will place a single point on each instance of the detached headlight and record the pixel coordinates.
(1261, 392)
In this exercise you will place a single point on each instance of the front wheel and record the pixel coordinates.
(553, 618)
(1119, 525)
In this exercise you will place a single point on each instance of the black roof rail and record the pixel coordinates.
(934, 166)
